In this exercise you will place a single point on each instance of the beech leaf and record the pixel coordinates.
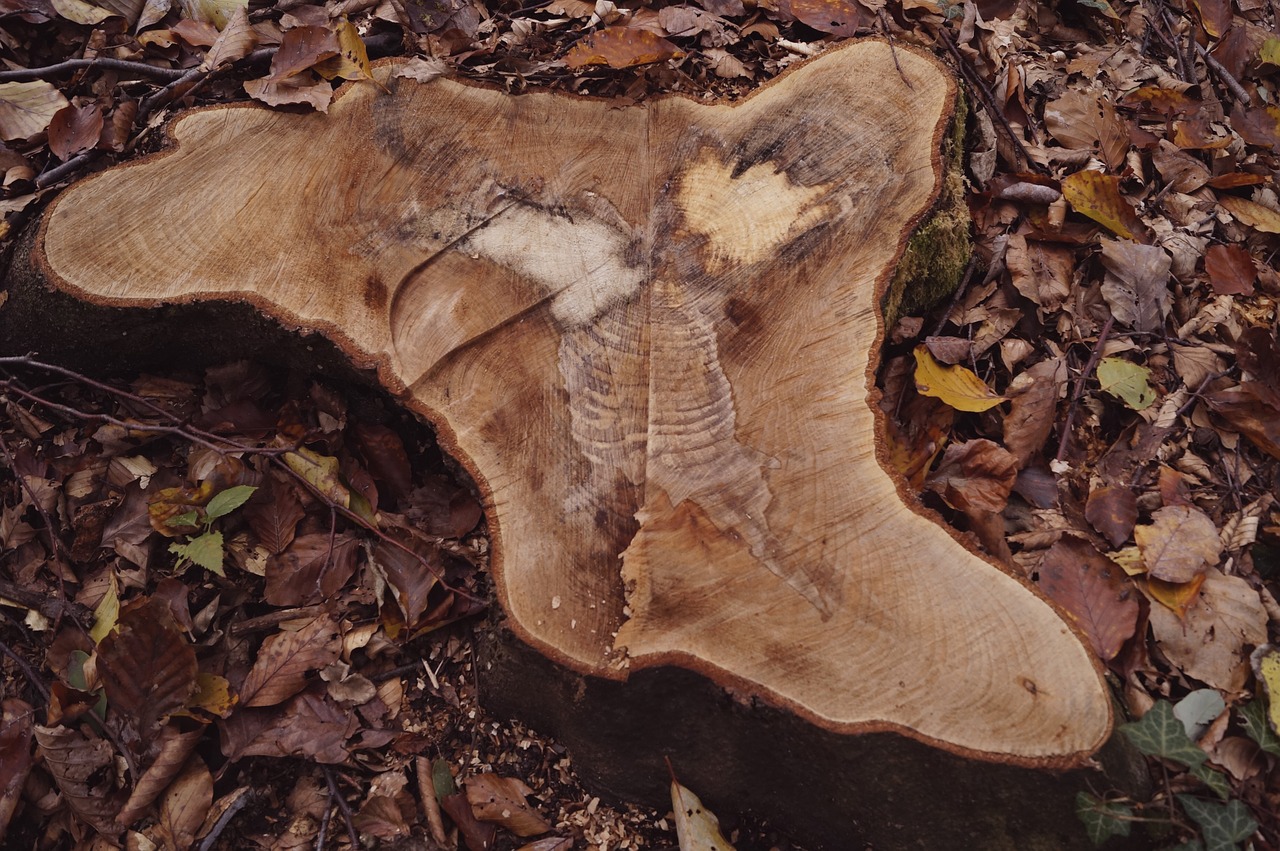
(503, 801)
(1180, 543)
(1128, 382)
(1136, 286)
(1097, 196)
(697, 828)
(1113, 511)
(148, 667)
(1254, 215)
(1209, 642)
(621, 47)
(74, 129)
(286, 658)
(957, 386)
(26, 109)
(1094, 591)
(1230, 270)
(976, 475)
(275, 520)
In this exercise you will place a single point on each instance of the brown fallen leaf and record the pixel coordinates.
(311, 570)
(504, 801)
(173, 749)
(1136, 286)
(273, 515)
(185, 805)
(1088, 120)
(16, 729)
(1247, 409)
(1209, 643)
(1177, 597)
(1113, 511)
(74, 130)
(976, 475)
(383, 817)
(1258, 126)
(845, 18)
(27, 108)
(621, 47)
(83, 769)
(1094, 591)
(286, 658)
(1256, 216)
(1042, 272)
(148, 669)
(477, 835)
(299, 89)
(1179, 544)
(309, 725)
(1033, 403)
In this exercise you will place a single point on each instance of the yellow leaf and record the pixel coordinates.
(321, 472)
(955, 385)
(621, 47)
(1175, 596)
(213, 695)
(80, 11)
(1270, 51)
(1256, 216)
(1097, 196)
(352, 61)
(1266, 665)
(1130, 560)
(107, 612)
(697, 829)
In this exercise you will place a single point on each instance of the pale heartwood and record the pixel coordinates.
(650, 335)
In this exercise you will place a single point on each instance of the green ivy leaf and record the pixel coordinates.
(205, 550)
(1221, 825)
(228, 501)
(1214, 779)
(1102, 819)
(1254, 717)
(1127, 381)
(1161, 734)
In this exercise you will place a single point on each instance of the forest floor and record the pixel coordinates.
(1119, 313)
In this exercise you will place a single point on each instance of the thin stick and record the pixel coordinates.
(27, 671)
(343, 806)
(1094, 357)
(140, 69)
(1233, 85)
(220, 825)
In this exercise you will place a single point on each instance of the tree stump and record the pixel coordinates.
(650, 335)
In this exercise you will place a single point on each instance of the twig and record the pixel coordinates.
(323, 833)
(272, 619)
(141, 69)
(52, 607)
(1094, 357)
(988, 100)
(55, 543)
(220, 825)
(68, 168)
(965, 280)
(343, 806)
(1233, 85)
(27, 671)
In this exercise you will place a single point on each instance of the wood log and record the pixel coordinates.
(650, 335)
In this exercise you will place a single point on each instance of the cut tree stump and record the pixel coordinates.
(650, 335)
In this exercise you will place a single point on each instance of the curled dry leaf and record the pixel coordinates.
(621, 47)
(83, 768)
(286, 658)
(958, 386)
(504, 801)
(976, 475)
(236, 41)
(1113, 511)
(299, 89)
(26, 109)
(1248, 409)
(478, 836)
(1209, 642)
(1094, 591)
(1179, 544)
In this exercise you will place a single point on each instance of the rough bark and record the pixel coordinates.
(650, 336)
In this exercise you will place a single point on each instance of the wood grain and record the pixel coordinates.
(650, 334)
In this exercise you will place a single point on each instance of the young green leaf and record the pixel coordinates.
(1127, 381)
(1102, 819)
(1221, 825)
(1161, 734)
(205, 550)
(228, 501)
(189, 518)
(1253, 715)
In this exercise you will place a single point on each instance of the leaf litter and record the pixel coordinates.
(1102, 411)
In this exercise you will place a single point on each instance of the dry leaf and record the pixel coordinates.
(1113, 511)
(1088, 120)
(16, 729)
(957, 386)
(503, 801)
(80, 12)
(1180, 543)
(976, 475)
(1249, 409)
(1042, 272)
(1136, 286)
(313, 569)
(1209, 643)
(174, 749)
(27, 108)
(1033, 401)
(352, 60)
(275, 519)
(1254, 215)
(300, 89)
(184, 806)
(697, 828)
(75, 129)
(621, 47)
(1230, 270)
(309, 725)
(236, 41)
(1259, 127)
(1094, 591)
(845, 18)
(1097, 196)
(286, 658)
(83, 768)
